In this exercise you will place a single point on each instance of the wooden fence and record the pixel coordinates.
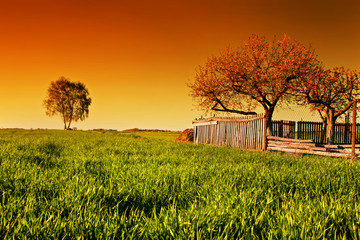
(283, 128)
(249, 133)
(314, 130)
(244, 133)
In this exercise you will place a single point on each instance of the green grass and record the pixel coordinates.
(140, 185)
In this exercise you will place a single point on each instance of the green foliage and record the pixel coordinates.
(90, 185)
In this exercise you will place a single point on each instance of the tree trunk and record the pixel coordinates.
(323, 131)
(64, 119)
(268, 117)
(330, 130)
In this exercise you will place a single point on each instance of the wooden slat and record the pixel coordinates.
(289, 139)
(302, 151)
(228, 119)
(308, 144)
(303, 147)
(205, 123)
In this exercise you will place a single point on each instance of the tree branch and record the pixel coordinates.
(347, 107)
(225, 109)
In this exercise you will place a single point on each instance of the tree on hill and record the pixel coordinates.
(330, 92)
(68, 99)
(259, 73)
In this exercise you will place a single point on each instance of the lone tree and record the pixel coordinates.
(330, 92)
(260, 73)
(68, 99)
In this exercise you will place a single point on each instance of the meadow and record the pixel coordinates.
(139, 185)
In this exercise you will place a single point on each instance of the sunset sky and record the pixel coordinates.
(136, 57)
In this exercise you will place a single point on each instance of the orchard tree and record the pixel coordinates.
(330, 92)
(69, 100)
(259, 73)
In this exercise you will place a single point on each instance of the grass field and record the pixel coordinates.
(140, 185)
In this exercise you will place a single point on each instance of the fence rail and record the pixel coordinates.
(308, 146)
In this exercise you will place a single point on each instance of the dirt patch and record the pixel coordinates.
(186, 136)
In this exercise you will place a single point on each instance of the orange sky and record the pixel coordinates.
(136, 57)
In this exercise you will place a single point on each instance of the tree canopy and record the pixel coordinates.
(258, 74)
(69, 100)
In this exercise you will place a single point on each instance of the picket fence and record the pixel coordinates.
(244, 133)
(314, 131)
(283, 128)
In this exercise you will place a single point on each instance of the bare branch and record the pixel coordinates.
(224, 109)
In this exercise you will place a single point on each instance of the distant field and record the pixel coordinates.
(142, 185)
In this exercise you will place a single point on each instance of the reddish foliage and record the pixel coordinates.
(260, 73)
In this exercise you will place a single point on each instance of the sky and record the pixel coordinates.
(137, 57)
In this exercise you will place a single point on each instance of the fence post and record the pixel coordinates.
(281, 128)
(353, 131)
(347, 128)
(292, 130)
(264, 137)
(299, 130)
